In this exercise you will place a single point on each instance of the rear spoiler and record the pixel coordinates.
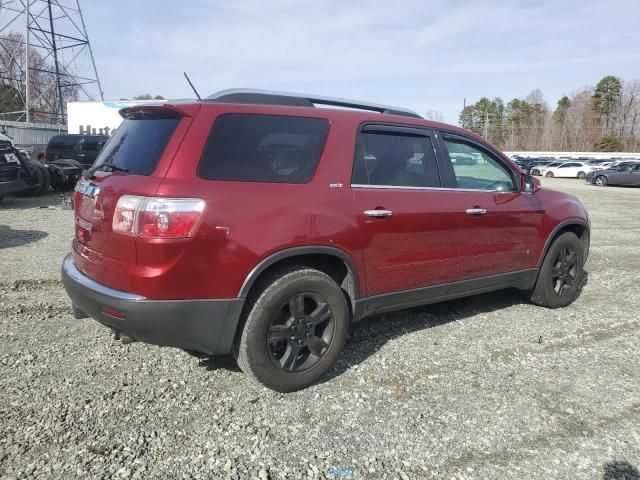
(158, 110)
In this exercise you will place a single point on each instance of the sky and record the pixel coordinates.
(419, 54)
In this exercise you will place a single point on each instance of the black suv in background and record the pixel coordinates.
(82, 148)
(67, 155)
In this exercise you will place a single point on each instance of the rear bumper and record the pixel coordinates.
(207, 326)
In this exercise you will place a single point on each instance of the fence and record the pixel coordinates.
(22, 133)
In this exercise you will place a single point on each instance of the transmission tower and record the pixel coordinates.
(45, 58)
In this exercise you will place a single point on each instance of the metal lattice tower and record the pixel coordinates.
(50, 37)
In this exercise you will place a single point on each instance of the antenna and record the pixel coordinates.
(192, 87)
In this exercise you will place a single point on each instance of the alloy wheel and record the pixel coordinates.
(300, 333)
(565, 269)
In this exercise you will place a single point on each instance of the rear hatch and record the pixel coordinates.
(132, 162)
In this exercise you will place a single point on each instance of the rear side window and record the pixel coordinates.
(64, 142)
(395, 160)
(263, 148)
(138, 144)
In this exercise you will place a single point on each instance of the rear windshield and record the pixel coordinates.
(263, 148)
(64, 142)
(137, 145)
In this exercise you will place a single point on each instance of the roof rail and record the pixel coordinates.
(269, 97)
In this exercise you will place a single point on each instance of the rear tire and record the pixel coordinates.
(549, 174)
(46, 183)
(582, 175)
(38, 180)
(601, 181)
(294, 330)
(560, 278)
(535, 172)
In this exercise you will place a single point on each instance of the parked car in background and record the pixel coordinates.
(624, 174)
(19, 175)
(570, 170)
(534, 167)
(540, 169)
(83, 148)
(67, 155)
(257, 224)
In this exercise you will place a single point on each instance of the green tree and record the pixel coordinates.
(485, 118)
(606, 97)
(609, 143)
(10, 103)
(560, 114)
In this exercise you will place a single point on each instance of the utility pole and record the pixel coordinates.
(486, 127)
(464, 107)
(26, 67)
(57, 66)
(55, 32)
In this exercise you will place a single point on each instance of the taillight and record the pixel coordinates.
(45, 154)
(156, 217)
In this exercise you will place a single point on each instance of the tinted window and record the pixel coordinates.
(263, 148)
(478, 170)
(92, 144)
(64, 142)
(138, 144)
(395, 160)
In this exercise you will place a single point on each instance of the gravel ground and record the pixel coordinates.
(486, 387)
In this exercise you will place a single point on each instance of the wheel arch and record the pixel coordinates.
(330, 260)
(579, 227)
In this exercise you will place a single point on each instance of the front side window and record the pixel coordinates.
(395, 160)
(476, 169)
(263, 148)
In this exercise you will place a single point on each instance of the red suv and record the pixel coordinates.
(258, 224)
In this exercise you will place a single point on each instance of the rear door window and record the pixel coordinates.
(263, 148)
(138, 144)
(395, 160)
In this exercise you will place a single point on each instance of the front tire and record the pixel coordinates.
(295, 329)
(560, 278)
(601, 181)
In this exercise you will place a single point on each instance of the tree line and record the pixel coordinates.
(601, 118)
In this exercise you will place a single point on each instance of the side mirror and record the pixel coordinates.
(529, 184)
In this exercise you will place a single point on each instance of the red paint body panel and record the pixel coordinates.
(429, 239)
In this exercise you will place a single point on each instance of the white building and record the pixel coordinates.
(98, 117)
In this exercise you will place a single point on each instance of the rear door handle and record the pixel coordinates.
(378, 213)
(475, 211)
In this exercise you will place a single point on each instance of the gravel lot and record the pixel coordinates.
(487, 387)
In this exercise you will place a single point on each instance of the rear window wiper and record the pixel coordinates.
(89, 173)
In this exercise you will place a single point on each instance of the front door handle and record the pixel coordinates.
(378, 213)
(475, 211)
